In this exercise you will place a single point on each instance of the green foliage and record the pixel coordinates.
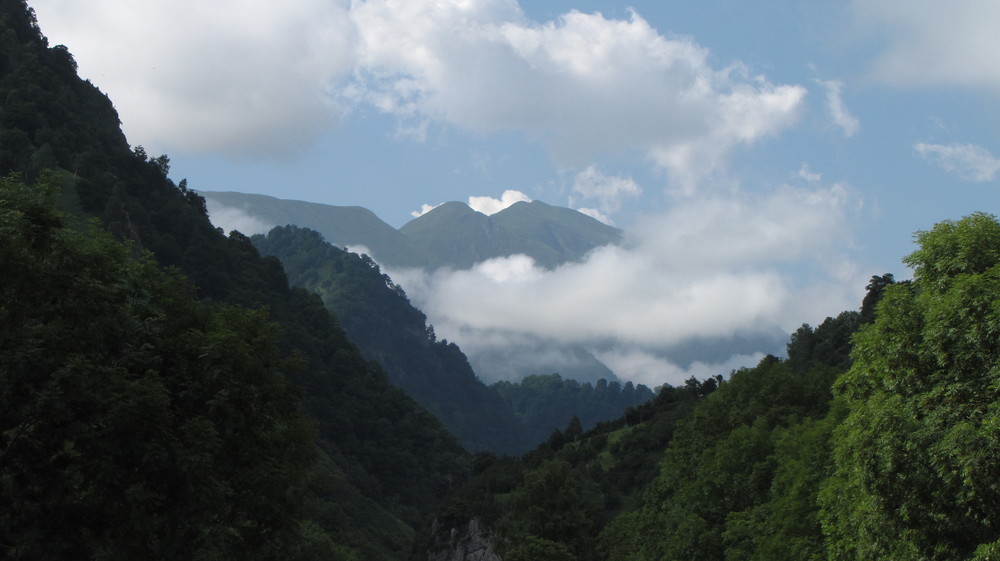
(532, 548)
(388, 452)
(559, 497)
(742, 472)
(377, 316)
(135, 422)
(545, 403)
(917, 475)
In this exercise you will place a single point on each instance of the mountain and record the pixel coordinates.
(702, 471)
(553, 235)
(377, 316)
(452, 234)
(460, 236)
(378, 462)
(506, 418)
(343, 226)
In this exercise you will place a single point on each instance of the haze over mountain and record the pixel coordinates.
(506, 286)
(451, 236)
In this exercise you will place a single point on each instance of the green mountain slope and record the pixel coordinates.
(460, 236)
(343, 226)
(875, 439)
(553, 235)
(378, 317)
(382, 460)
(457, 235)
(696, 473)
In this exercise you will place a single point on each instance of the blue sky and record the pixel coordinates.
(767, 157)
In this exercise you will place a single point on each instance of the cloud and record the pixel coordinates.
(596, 215)
(246, 79)
(968, 161)
(582, 84)
(808, 174)
(934, 43)
(424, 209)
(643, 367)
(231, 218)
(592, 184)
(258, 79)
(839, 113)
(712, 268)
(489, 205)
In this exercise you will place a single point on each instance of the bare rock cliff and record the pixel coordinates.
(475, 542)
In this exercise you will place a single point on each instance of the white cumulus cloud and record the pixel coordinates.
(240, 77)
(255, 79)
(582, 84)
(968, 161)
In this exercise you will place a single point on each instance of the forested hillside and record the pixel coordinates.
(166, 394)
(876, 438)
(381, 461)
(378, 317)
(544, 403)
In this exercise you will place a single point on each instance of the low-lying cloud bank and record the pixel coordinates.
(721, 268)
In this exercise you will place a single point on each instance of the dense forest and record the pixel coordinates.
(378, 461)
(166, 393)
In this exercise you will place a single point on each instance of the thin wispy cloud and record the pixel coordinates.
(968, 161)
(835, 107)
(608, 192)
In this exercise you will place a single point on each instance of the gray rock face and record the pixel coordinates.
(473, 543)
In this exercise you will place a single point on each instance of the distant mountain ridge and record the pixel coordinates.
(450, 235)
(345, 226)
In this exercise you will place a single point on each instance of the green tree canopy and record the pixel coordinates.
(917, 472)
(135, 422)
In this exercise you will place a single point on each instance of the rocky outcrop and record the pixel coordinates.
(474, 542)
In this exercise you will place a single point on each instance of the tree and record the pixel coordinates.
(135, 422)
(918, 475)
